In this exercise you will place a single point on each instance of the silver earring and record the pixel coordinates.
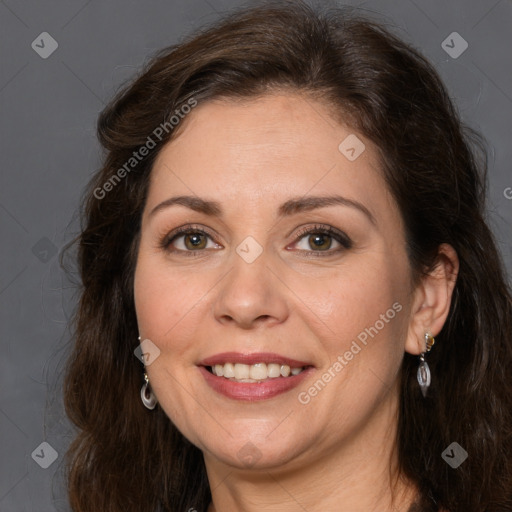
(423, 374)
(147, 396)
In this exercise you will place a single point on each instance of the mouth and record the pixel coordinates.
(253, 376)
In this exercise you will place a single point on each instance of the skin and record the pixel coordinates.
(338, 451)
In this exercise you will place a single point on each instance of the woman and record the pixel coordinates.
(288, 232)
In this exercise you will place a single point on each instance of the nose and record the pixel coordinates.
(251, 295)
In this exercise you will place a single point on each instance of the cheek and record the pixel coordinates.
(360, 316)
(361, 323)
(168, 307)
(164, 297)
(350, 300)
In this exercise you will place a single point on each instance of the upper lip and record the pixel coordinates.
(250, 359)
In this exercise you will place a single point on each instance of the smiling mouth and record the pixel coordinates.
(259, 372)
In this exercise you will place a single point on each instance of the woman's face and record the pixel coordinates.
(294, 256)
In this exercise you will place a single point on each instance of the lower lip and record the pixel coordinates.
(252, 392)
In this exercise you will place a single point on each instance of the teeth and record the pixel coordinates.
(229, 370)
(242, 371)
(255, 372)
(274, 370)
(258, 371)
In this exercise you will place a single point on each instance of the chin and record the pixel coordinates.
(246, 452)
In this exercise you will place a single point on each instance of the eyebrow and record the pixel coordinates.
(290, 207)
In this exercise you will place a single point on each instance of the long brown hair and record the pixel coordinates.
(128, 458)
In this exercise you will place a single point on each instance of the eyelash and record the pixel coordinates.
(340, 237)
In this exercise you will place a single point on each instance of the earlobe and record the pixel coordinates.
(432, 299)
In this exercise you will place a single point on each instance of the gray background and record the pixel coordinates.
(48, 111)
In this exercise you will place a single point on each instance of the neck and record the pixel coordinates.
(360, 474)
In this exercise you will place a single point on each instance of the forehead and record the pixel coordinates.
(284, 127)
(267, 149)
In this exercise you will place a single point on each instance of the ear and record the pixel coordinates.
(432, 299)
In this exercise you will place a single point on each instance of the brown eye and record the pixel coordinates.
(188, 241)
(194, 241)
(320, 241)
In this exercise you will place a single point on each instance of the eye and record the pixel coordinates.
(321, 239)
(188, 239)
(318, 240)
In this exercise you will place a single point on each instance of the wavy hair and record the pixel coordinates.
(125, 457)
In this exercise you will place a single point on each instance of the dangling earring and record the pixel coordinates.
(147, 396)
(423, 374)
